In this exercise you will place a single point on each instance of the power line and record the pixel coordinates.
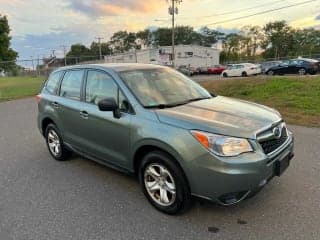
(235, 11)
(259, 13)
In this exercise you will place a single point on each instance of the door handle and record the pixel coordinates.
(84, 114)
(55, 104)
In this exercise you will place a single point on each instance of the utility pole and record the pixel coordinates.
(32, 63)
(64, 54)
(99, 41)
(172, 11)
(38, 66)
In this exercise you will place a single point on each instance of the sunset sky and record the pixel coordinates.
(39, 26)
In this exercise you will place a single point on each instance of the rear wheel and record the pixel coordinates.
(55, 143)
(163, 183)
(225, 75)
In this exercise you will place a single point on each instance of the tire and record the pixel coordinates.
(244, 74)
(302, 71)
(167, 180)
(225, 75)
(270, 73)
(55, 144)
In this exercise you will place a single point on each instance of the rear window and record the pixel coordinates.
(52, 83)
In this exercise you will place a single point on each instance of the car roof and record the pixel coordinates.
(305, 59)
(118, 67)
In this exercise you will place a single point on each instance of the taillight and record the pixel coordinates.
(38, 98)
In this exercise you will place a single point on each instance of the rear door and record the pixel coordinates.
(70, 105)
(105, 137)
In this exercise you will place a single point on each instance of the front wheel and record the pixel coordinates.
(225, 75)
(244, 74)
(163, 183)
(270, 73)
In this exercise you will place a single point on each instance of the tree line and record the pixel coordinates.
(275, 40)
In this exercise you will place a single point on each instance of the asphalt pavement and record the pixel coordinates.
(79, 199)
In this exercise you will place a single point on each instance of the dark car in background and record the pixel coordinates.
(188, 71)
(217, 69)
(185, 70)
(265, 66)
(300, 66)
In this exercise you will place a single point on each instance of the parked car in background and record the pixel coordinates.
(157, 124)
(241, 70)
(185, 70)
(265, 66)
(188, 71)
(2, 73)
(217, 69)
(203, 70)
(300, 66)
(195, 71)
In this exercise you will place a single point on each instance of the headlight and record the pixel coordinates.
(223, 145)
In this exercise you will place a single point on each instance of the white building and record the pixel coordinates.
(188, 55)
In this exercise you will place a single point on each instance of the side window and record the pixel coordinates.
(99, 86)
(53, 81)
(71, 84)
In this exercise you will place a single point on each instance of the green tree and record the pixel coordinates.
(278, 40)
(210, 36)
(123, 41)
(7, 54)
(78, 53)
(146, 38)
(95, 50)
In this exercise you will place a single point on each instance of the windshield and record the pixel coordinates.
(162, 87)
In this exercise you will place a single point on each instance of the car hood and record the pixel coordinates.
(221, 115)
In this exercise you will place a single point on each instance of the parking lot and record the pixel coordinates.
(79, 199)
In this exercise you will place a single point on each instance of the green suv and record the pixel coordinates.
(155, 123)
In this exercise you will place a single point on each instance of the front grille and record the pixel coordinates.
(273, 144)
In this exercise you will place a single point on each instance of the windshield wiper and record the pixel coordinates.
(197, 99)
(163, 106)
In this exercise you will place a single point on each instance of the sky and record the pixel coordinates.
(39, 26)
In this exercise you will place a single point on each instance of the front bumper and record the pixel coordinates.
(228, 181)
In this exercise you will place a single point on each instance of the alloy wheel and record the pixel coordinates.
(160, 184)
(54, 142)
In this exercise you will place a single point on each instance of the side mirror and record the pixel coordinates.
(213, 94)
(109, 105)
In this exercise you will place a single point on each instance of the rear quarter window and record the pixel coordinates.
(52, 82)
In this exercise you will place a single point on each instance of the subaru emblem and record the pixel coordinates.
(277, 132)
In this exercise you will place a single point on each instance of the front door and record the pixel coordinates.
(107, 138)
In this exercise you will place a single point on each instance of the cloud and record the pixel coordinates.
(317, 17)
(100, 8)
(42, 44)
